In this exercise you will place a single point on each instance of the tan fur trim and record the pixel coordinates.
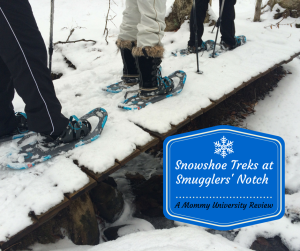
(122, 44)
(153, 52)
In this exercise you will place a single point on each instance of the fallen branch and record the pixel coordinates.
(71, 32)
(279, 23)
(76, 41)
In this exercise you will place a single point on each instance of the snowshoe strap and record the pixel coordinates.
(167, 82)
(134, 91)
(77, 122)
(21, 114)
(22, 122)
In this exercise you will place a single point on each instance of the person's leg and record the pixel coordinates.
(151, 26)
(201, 8)
(23, 51)
(127, 41)
(8, 120)
(227, 26)
(131, 18)
(149, 50)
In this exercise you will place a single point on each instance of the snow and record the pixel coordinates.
(169, 7)
(278, 115)
(99, 65)
(176, 239)
(36, 190)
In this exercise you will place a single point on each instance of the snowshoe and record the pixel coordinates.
(77, 133)
(205, 46)
(239, 41)
(166, 89)
(126, 83)
(20, 131)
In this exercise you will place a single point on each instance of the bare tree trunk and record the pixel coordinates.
(257, 11)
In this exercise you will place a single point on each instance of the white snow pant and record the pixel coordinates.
(144, 21)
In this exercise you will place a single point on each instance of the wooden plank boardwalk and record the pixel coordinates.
(38, 220)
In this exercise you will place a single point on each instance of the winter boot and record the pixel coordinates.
(130, 73)
(22, 126)
(148, 60)
(239, 40)
(76, 129)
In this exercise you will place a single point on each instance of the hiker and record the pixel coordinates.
(139, 41)
(23, 67)
(228, 39)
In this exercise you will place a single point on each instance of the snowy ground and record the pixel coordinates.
(273, 116)
(99, 65)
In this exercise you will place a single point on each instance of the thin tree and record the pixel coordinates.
(257, 11)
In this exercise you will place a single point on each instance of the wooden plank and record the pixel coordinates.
(231, 93)
(208, 107)
(196, 115)
(90, 185)
(150, 144)
(101, 176)
(130, 157)
(162, 137)
(14, 239)
(52, 211)
(218, 101)
(183, 123)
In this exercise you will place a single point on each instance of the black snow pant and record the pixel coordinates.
(23, 67)
(227, 26)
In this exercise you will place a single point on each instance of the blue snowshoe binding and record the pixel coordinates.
(126, 83)
(239, 41)
(20, 131)
(205, 46)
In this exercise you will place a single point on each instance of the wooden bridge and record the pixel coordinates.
(38, 220)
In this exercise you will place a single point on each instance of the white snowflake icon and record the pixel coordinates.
(225, 148)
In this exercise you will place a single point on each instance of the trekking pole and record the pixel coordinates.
(51, 35)
(214, 27)
(196, 35)
(217, 24)
(220, 19)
